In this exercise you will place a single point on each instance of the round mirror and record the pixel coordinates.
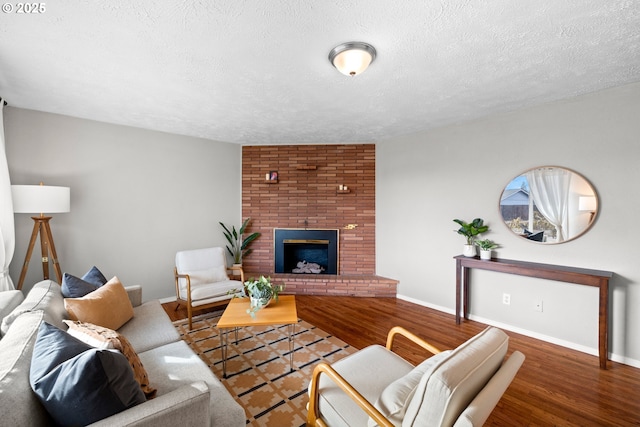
(549, 205)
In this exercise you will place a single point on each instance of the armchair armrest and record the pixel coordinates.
(398, 330)
(313, 415)
(236, 270)
(135, 294)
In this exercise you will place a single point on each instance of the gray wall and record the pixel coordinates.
(427, 180)
(137, 196)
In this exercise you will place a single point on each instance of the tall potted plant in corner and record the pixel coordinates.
(471, 231)
(238, 246)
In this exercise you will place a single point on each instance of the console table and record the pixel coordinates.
(580, 276)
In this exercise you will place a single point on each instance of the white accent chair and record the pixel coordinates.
(375, 386)
(202, 279)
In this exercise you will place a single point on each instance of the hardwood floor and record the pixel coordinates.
(556, 386)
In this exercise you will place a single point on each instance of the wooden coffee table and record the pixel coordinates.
(282, 312)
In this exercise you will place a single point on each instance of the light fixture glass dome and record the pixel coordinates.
(352, 58)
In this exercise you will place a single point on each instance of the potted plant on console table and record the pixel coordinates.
(486, 247)
(471, 231)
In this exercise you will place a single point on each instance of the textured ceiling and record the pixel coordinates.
(256, 72)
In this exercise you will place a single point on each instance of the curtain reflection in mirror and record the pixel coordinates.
(550, 193)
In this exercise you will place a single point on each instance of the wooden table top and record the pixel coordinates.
(282, 312)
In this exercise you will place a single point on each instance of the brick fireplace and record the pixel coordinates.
(309, 194)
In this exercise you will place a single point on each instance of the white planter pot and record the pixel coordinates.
(469, 250)
(485, 254)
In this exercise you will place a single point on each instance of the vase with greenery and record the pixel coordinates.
(238, 246)
(471, 231)
(261, 292)
(486, 246)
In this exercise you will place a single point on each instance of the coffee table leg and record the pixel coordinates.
(292, 330)
(223, 349)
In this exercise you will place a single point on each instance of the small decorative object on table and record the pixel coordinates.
(486, 246)
(261, 292)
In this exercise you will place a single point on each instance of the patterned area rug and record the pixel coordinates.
(258, 373)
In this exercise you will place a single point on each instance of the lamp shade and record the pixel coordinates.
(587, 203)
(40, 199)
(352, 58)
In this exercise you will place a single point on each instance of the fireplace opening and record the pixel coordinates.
(306, 251)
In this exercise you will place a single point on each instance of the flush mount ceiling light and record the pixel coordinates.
(352, 58)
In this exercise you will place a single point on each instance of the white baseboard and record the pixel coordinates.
(563, 343)
(167, 299)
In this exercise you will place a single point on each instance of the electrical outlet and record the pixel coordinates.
(506, 299)
(537, 306)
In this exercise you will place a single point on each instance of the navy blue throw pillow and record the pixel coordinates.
(79, 384)
(73, 287)
(95, 277)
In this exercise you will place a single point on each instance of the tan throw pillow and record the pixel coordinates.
(106, 338)
(107, 306)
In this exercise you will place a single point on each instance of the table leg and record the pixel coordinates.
(465, 292)
(292, 330)
(603, 323)
(223, 349)
(458, 289)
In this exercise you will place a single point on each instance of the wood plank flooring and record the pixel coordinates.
(556, 386)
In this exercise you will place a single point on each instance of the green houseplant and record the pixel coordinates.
(486, 246)
(471, 231)
(238, 245)
(261, 292)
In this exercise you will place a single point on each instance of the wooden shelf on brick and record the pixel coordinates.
(343, 191)
(306, 167)
(271, 181)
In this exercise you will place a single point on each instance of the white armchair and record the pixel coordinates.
(202, 279)
(375, 386)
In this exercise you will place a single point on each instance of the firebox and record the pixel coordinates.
(306, 251)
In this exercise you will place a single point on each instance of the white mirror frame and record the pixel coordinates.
(564, 205)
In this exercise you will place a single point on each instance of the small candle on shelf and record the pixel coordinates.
(267, 176)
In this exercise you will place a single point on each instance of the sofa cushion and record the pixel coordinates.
(79, 384)
(211, 275)
(8, 301)
(107, 306)
(441, 396)
(18, 403)
(105, 338)
(395, 398)
(74, 287)
(44, 295)
(362, 370)
(150, 327)
(174, 365)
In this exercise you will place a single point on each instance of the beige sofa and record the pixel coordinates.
(188, 393)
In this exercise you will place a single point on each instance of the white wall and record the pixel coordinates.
(427, 180)
(137, 196)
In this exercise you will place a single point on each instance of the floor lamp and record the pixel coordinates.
(39, 199)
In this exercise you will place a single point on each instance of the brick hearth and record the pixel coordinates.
(307, 195)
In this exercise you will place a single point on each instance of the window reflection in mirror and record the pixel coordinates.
(548, 205)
